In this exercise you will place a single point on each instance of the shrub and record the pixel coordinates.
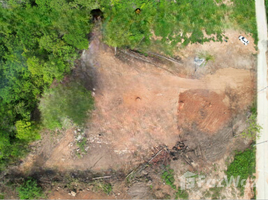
(63, 103)
(106, 187)
(243, 165)
(168, 177)
(30, 190)
(82, 144)
(253, 129)
(26, 131)
(182, 194)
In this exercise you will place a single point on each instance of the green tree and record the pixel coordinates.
(30, 190)
(26, 131)
(39, 41)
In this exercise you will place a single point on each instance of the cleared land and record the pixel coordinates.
(145, 103)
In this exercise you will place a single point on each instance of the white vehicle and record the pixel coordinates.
(243, 39)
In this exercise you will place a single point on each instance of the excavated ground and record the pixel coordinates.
(145, 102)
(141, 105)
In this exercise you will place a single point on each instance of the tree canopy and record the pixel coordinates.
(39, 42)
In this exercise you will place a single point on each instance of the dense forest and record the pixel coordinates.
(41, 39)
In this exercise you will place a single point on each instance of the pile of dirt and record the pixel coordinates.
(203, 110)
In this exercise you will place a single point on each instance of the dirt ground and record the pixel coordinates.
(61, 194)
(142, 105)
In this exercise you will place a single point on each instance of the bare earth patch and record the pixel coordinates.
(140, 106)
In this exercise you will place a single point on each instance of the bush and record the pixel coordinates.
(168, 177)
(30, 190)
(253, 129)
(39, 41)
(243, 165)
(63, 103)
(106, 187)
(182, 194)
(26, 131)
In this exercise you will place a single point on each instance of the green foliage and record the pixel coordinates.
(174, 22)
(216, 192)
(253, 129)
(82, 144)
(25, 131)
(243, 16)
(106, 187)
(266, 6)
(10, 149)
(181, 194)
(30, 190)
(168, 177)
(206, 194)
(39, 41)
(207, 56)
(63, 103)
(243, 165)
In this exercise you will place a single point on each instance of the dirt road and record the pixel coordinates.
(262, 148)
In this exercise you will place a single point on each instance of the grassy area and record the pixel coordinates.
(172, 22)
(63, 103)
(168, 177)
(161, 25)
(206, 56)
(243, 16)
(82, 145)
(181, 194)
(215, 192)
(30, 190)
(106, 187)
(243, 166)
(253, 130)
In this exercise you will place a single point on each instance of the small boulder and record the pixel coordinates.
(73, 193)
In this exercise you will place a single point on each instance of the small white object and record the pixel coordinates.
(243, 40)
(73, 193)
